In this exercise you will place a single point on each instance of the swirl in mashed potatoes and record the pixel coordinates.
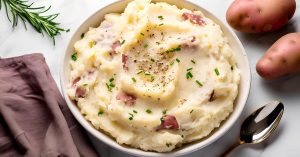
(154, 77)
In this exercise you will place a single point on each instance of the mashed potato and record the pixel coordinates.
(154, 77)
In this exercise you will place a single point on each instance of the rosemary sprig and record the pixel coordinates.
(20, 9)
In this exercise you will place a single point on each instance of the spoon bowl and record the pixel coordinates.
(259, 125)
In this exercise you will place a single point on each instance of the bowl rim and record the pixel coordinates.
(221, 130)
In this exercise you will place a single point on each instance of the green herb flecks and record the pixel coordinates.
(172, 63)
(199, 83)
(133, 80)
(130, 116)
(193, 61)
(189, 75)
(178, 48)
(162, 119)
(148, 111)
(217, 71)
(164, 112)
(168, 144)
(74, 56)
(142, 34)
(139, 72)
(147, 75)
(134, 111)
(101, 112)
(122, 42)
(161, 24)
(189, 69)
(152, 78)
(110, 85)
(160, 17)
(177, 60)
(146, 45)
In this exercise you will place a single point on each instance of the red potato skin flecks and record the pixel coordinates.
(169, 122)
(128, 99)
(115, 45)
(195, 19)
(282, 58)
(256, 16)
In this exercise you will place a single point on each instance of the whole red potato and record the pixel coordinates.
(282, 58)
(256, 16)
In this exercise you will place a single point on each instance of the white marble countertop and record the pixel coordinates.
(284, 142)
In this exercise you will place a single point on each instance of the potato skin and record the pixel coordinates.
(256, 16)
(282, 58)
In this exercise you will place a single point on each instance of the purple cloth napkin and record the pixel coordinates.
(34, 118)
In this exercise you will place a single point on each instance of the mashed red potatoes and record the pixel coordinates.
(154, 77)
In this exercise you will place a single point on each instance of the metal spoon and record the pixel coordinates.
(259, 125)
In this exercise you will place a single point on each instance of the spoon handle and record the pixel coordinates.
(233, 146)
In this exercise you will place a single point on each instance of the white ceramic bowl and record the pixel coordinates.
(242, 62)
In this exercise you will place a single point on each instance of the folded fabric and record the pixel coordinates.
(34, 118)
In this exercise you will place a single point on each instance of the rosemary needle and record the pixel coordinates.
(20, 9)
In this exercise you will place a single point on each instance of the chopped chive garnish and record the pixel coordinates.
(146, 73)
(152, 78)
(122, 42)
(85, 84)
(110, 85)
(100, 112)
(177, 60)
(157, 43)
(131, 116)
(134, 111)
(133, 79)
(168, 144)
(82, 35)
(193, 61)
(108, 88)
(231, 67)
(142, 34)
(199, 83)
(139, 72)
(152, 60)
(217, 71)
(160, 17)
(172, 63)
(178, 48)
(164, 111)
(74, 56)
(191, 111)
(189, 75)
(161, 24)
(148, 111)
(146, 45)
(162, 119)
(189, 69)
